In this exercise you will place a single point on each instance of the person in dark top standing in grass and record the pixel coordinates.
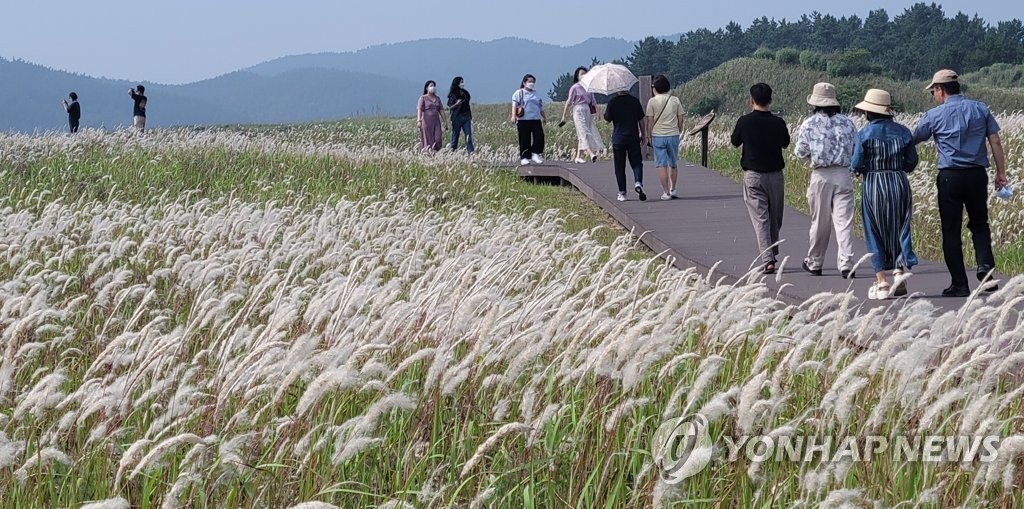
(74, 112)
(462, 116)
(629, 131)
(763, 135)
(139, 111)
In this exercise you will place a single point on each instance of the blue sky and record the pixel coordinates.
(179, 41)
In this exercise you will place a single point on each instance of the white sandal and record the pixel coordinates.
(878, 292)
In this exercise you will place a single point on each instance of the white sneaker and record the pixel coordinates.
(672, 194)
(621, 197)
(524, 162)
(666, 196)
(537, 159)
(579, 160)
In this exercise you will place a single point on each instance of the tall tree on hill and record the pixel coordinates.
(875, 34)
(560, 88)
(1004, 44)
(965, 36)
(919, 30)
(761, 33)
(650, 57)
(794, 34)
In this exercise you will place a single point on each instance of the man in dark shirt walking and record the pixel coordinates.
(74, 112)
(628, 132)
(763, 136)
(139, 110)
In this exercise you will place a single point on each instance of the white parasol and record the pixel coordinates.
(608, 79)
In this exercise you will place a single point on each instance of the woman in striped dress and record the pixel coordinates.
(883, 154)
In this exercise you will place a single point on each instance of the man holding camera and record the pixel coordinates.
(139, 111)
(74, 112)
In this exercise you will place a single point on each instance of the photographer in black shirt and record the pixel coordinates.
(139, 110)
(74, 112)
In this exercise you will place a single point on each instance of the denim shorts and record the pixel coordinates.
(666, 151)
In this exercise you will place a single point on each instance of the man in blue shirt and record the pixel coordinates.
(960, 127)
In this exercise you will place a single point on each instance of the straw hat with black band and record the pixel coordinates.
(877, 101)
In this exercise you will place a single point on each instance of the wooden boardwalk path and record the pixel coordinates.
(709, 224)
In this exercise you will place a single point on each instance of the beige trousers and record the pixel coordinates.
(830, 199)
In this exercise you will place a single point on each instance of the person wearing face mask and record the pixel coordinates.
(583, 109)
(458, 103)
(430, 117)
(528, 115)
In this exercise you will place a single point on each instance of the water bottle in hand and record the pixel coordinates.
(1005, 192)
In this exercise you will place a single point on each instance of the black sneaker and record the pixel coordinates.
(956, 291)
(848, 274)
(813, 272)
(639, 188)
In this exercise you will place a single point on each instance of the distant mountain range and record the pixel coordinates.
(492, 70)
(376, 81)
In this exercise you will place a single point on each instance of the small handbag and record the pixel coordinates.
(521, 110)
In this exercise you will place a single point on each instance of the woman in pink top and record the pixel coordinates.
(430, 117)
(583, 109)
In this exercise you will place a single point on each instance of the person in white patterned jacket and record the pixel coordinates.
(825, 142)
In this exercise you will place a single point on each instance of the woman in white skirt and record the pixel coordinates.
(583, 110)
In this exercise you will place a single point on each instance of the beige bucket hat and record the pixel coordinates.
(943, 76)
(824, 95)
(876, 101)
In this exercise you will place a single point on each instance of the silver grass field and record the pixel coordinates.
(319, 316)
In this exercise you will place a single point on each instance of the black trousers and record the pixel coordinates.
(73, 124)
(961, 189)
(631, 151)
(531, 138)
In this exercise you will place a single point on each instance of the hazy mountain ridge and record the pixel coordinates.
(492, 69)
(30, 98)
(380, 80)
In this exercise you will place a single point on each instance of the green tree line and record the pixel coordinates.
(911, 45)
